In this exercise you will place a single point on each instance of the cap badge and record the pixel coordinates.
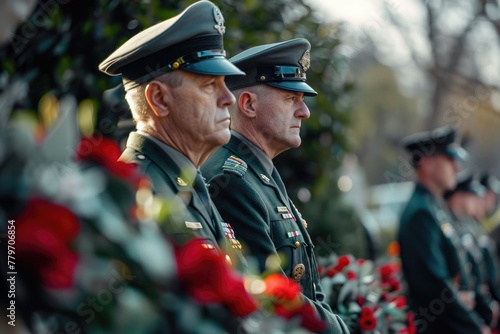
(219, 19)
(305, 61)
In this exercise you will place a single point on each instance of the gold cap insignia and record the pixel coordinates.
(219, 19)
(305, 61)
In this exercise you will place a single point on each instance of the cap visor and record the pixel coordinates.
(214, 66)
(477, 189)
(294, 86)
(457, 153)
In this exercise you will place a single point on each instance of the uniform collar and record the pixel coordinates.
(260, 154)
(187, 168)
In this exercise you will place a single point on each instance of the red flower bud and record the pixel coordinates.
(351, 275)
(222, 285)
(44, 232)
(307, 314)
(342, 262)
(367, 320)
(281, 288)
(106, 152)
(399, 301)
(330, 272)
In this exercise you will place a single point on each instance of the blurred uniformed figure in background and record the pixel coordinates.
(492, 199)
(430, 261)
(173, 74)
(466, 203)
(245, 185)
(492, 195)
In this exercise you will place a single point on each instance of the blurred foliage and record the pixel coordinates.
(57, 51)
(383, 118)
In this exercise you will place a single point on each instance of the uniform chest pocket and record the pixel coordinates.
(292, 248)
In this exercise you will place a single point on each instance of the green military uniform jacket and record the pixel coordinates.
(265, 220)
(475, 265)
(175, 185)
(431, 268)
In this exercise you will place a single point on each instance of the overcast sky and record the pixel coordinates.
(369, 18)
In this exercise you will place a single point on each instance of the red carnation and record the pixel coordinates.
(205, 275)
(106, 152)
(394, 284)
(412, 328)
(307, 314)
(331, 271)
(399, 301)
(282, 288)
(351, 275)
(388, 270)
(367, 320)
(44, 232)
(342, 262)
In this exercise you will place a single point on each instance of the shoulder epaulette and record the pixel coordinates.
(235, 165)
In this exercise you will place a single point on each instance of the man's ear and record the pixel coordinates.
(427, 162)
(155, 96)
(247, 103)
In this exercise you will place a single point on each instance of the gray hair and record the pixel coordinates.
(136, 97)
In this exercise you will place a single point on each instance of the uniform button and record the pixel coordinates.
(297, 244)
(140, 157)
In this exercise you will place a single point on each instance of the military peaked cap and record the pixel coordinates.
(490, 182)
(438, 141)
(467, 183)
(191, 41)
(281, 65)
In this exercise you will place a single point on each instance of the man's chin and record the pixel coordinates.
(296, 143)
(221, 138)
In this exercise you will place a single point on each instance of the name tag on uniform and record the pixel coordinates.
(194, 225)
(282, 209)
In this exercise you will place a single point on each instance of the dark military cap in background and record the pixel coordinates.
(438, 141)
(191, 41)
(467, 182)
(281, 65)
(490, 182)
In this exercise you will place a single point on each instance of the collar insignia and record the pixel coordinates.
(181, 182)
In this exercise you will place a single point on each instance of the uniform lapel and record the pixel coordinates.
(244, 152)
(172, 174)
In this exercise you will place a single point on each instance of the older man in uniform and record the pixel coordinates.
(173, 74)
(430, 261)
(245, 185)
(466, 205)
